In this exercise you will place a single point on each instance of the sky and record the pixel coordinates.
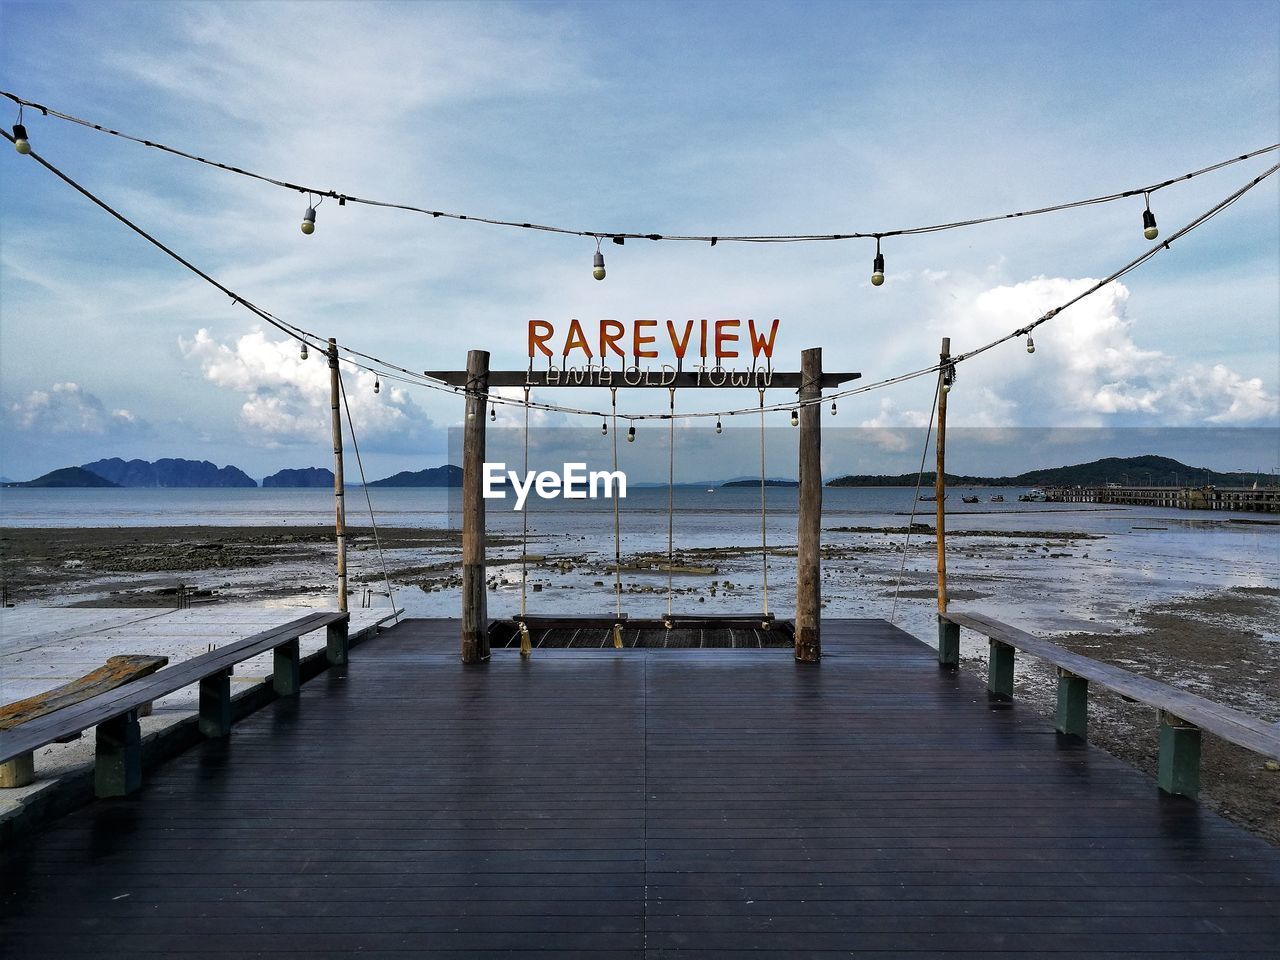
(702, 118)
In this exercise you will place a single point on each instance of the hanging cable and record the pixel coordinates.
(373, 521)
(911, 522)
(671, 505)
(526, 643)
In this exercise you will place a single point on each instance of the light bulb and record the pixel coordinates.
(877, 270)
(604, 429)
(1149, 228)
(20, 142)
(795, 418)
(833, 408)
(377, 385)
(302, 354)
(309, 221)
(1031, 345)
(631, 434)
(946, 385)
(493, 414)
(597, 269)
(719, 426)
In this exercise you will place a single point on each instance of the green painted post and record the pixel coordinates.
(948, 643)
(1073, 705)
(117, 767)
(1000, 670)
(215, 704)
(286, 677)
(337, 643)
(1179, 771)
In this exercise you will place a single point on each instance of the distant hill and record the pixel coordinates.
(304, 477)
(1136, 471)
(446, 476)
(769, 482)
(66, 477)
(169, 473)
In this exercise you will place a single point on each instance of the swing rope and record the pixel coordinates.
(617, 534)
(671, 504)
(911, 522)
(764, 541)
(526, 644)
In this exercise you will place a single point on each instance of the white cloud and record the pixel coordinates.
(289, 398)
(68, 409)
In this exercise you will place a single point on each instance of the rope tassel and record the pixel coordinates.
(617, 636)
(526, 645)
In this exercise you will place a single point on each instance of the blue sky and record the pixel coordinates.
(671, 118)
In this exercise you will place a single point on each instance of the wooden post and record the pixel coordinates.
(18, 772)
(808, 647)
(1073, 705)
(339, 497)
(286, 676)
(215, 704)
(1000, 670)
(117, 769)
(338, 642)
(1179, 766)
(475, 610)
(948, 633)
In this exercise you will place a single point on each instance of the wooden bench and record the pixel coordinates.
(118, 750)
(118, 670)
(1182, 715)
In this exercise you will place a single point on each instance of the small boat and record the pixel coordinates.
(711, 489)
(968, 499)
(998, 498)
(924, 499)
(1034, 496)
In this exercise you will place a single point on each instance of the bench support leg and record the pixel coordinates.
(18, 772)
(215, 704)
(117, 767)
(1000, 670)
(1179, 756)
(948, 643)
(286, 678)
(1073, 705)
(336, 647)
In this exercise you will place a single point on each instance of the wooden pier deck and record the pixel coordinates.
(643, 803)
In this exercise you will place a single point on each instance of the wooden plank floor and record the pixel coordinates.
(601, 803)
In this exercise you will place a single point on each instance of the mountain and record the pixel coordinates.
(304, 477)
(66, 477)
(1135, 471)
(446, 476)
(769, 482)
(169, 473)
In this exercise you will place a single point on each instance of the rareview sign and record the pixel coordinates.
(574, 482)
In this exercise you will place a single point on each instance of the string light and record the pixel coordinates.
(20, 141)
(833, 408)
(493, 414)
(877, 266)
(631, 434)
(377, 385)
(302, 354)
(419, 379)
(948, 377)
(604, 429)
(719, 426)
(795, 418)
(620, 236)
(597, 267)
(1031, 345)
(1149, 228)
(309, 221)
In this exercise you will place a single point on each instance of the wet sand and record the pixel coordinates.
(1220, 643)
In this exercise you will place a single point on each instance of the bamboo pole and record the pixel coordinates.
(339, 490)
(808, 647)
(475, 614)
(940, 482)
